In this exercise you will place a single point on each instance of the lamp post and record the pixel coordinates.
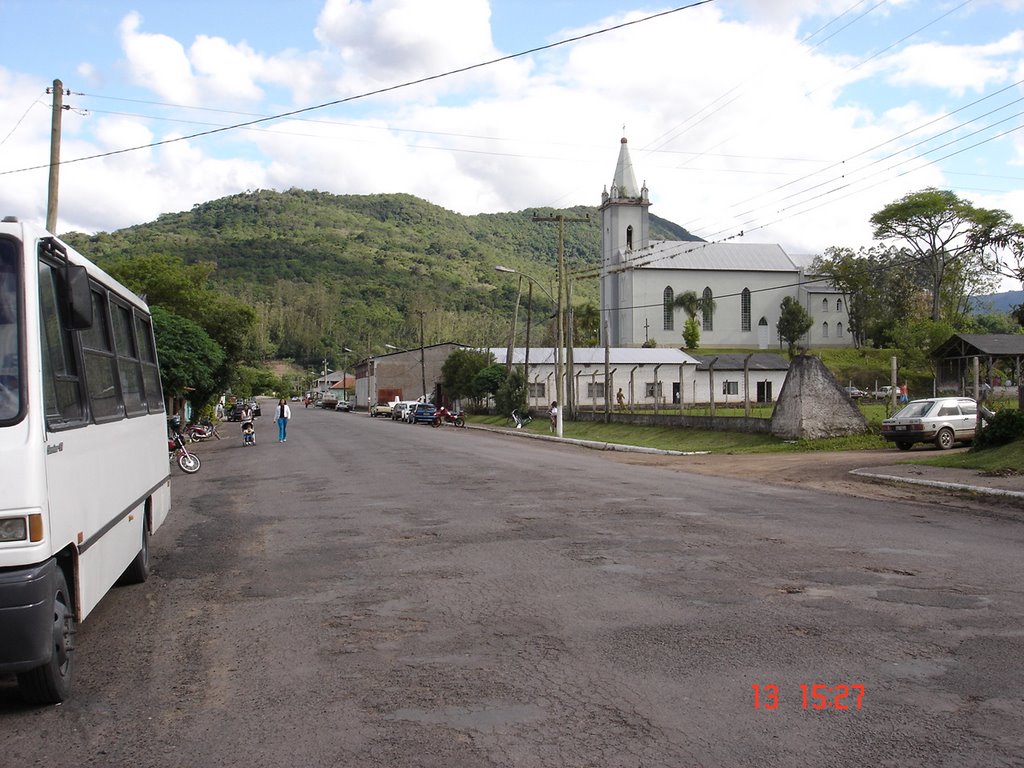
(558, 349)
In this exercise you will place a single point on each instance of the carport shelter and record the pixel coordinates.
(954, 360)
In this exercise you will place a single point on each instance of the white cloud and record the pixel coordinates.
(957, 68)
(158, 62)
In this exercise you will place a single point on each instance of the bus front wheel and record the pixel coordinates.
(51, 682)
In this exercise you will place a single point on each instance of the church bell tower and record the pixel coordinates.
(625, 228)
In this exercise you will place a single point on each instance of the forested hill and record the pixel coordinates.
(381, 256)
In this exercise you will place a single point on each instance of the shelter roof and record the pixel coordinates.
(981, 344)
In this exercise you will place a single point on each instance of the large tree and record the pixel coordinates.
(947, 237)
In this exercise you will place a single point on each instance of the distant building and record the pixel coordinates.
(641, 278)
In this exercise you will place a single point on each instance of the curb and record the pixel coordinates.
(595, 445)
(986, 490)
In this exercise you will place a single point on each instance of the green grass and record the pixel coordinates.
(1010, 457)
(1005, 457)
(687, 439)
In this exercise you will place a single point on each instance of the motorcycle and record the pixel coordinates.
(202, 431)
(177, 449)
(443, 416)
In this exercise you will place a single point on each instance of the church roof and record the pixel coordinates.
(740, 257)
(625, 179)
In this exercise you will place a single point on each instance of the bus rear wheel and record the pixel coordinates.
(51, 682)
(138, 569)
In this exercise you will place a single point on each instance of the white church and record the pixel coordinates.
(640, 279)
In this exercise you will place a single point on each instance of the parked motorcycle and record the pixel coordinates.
(177, 448)
(443, 416)
(202, 431)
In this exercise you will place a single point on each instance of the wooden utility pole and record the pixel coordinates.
(55, 124)
(561, 218)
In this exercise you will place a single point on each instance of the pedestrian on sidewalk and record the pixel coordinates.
(284, 412)
(553, 414)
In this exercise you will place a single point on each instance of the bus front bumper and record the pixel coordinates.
(26, 616)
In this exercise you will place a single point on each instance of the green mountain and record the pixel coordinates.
(332, 271)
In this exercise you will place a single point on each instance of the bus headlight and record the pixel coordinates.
(13, 529)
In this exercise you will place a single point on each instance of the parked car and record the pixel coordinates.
(423, 413)
(380, 409)
(854, 393)
(343, 405)
(400, 408)
(940, 420)
(883, 393)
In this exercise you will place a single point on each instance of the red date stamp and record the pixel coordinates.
(812, 696)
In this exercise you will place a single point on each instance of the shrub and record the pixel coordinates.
(1005, 427)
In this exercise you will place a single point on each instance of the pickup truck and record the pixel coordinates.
(381, 409)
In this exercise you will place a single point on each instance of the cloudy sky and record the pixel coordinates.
(791, 121)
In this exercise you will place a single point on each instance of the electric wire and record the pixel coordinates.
(375, 92)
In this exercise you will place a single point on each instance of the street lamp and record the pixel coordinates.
(559, 351)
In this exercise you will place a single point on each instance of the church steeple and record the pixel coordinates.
(625, 180)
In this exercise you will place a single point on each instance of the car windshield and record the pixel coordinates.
(10, 336)
(915, 410)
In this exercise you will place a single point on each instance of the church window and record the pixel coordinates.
(839, 330)
(824, 330)
(745, 310)
(668, 298)
(839, 305)
(707, 310)
(629, 238)
(824, 305)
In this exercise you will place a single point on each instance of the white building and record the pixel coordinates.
(647, 377)
(641, 278)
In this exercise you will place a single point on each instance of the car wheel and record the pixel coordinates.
(944, 440)
(904, 446)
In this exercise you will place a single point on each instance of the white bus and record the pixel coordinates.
(83, 450)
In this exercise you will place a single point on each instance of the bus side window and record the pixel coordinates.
(127, 359)
(150, 371)
(101, 364)
(62, 394)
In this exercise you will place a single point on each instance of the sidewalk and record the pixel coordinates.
(971, 480)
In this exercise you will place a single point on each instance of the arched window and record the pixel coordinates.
(824, 305)
(745, 310)
(839, 330)
(629, 238)
(707, 310)
(839, 305)
(668, 297)
(824, 330)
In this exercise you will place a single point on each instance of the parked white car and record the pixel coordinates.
(400, 408)
(940, 420)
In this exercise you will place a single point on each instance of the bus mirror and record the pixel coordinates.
(79, 297)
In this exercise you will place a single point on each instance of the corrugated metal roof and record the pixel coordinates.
(595, 356)
(759, 361)
(747, 257)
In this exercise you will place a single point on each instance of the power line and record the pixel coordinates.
(376, 92)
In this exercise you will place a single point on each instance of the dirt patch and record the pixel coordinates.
(824, 470)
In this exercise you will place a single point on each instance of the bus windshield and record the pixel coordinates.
(10, 334)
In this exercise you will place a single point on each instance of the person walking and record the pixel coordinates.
(284, 412)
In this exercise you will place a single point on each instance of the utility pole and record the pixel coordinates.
(423, 365)
(561, 218)
(55, 125)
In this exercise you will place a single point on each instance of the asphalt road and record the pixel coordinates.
(377, 594)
